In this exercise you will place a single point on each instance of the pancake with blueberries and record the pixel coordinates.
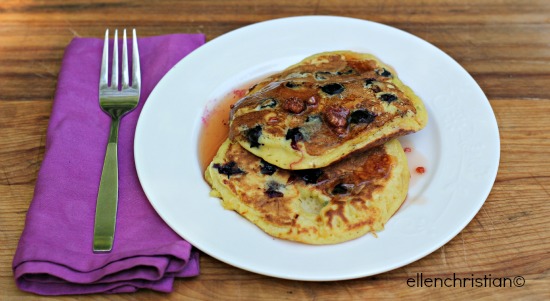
(324, 108)
(344, 201)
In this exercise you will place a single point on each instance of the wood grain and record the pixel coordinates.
(504, 45)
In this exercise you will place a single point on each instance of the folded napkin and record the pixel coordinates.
(54, 255)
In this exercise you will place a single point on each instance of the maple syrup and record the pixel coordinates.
(215, 126)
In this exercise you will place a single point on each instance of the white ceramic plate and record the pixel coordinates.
(459, 148)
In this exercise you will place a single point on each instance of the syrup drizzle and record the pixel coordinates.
(215, 126)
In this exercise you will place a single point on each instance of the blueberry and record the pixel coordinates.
(267, 169)
(361, 116)
(274, 193)
(294, 135)
(384, 72)
(340, 189)
(322, 75)
(292, 85)
(253, 135)
(310, 176)
(229, 169)
(334, 88)
(387, 97)
(369, 81)
(273, 190)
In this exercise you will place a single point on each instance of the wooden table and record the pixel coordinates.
(504, 45)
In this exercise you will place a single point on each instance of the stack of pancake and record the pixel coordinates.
(312, 155)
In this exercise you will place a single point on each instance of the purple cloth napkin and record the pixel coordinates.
(54, 256)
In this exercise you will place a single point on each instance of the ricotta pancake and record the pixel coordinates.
(343, 201)
(324, 108)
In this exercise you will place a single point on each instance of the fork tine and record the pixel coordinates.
(124, 69)
(104, 76)
(136, 70)
(114, 76)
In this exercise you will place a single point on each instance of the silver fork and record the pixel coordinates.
(116, 103)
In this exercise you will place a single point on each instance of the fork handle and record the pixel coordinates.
(107, 197)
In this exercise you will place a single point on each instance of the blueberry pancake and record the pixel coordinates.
(324, 108)
(343, 201)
